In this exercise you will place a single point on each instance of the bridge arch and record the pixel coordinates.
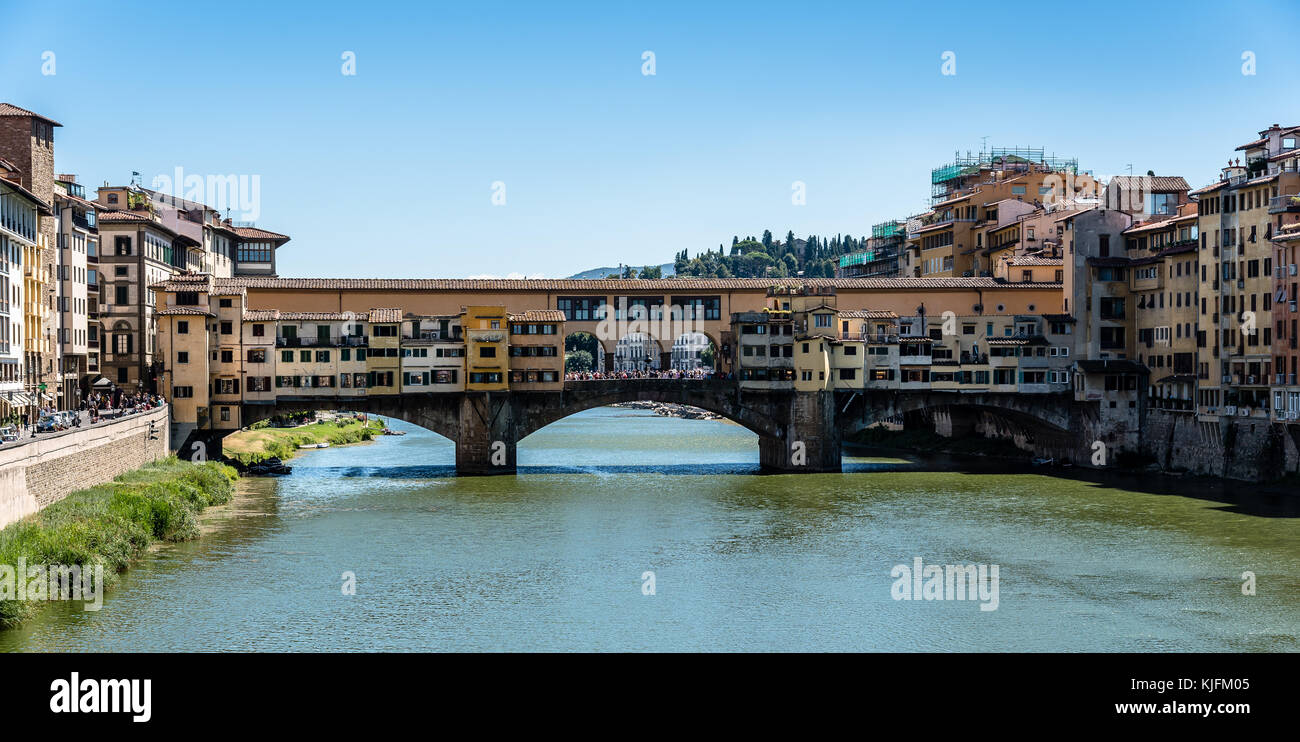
(437, 413)
(1044, 424)
(716, 397)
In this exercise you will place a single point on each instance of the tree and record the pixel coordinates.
(577, 362)
(584, 341)
(652, 271)
(709, 355)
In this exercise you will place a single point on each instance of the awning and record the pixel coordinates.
(18, 399)
(46, 397)
(102, 382)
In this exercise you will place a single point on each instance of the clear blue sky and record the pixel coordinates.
(389, 173)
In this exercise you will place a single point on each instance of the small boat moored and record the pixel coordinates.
(272, 467)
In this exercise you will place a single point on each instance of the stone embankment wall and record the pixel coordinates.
(1246, 449)
(45, 470)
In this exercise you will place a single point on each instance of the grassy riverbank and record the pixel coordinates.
(115, 522)
(254, 445)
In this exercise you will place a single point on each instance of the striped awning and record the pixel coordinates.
(17, 399)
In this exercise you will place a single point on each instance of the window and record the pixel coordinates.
(120, 295)
(259, 331)
(223, 303)
(225, 414)
(182, 357)
(487, 351)
(182, 392)
(255, 252)
(286, 356)
(227, 356)
(322, 356)
(257, 355)
(182, 327)
(227, 328)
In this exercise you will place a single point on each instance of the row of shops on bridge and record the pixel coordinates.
(219, 355)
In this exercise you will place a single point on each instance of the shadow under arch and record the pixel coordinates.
(1048, 427)
(716, 397)
(439, 414)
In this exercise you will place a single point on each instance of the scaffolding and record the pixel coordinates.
(1013, 157)
(892, 228)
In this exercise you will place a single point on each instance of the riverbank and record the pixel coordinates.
(258, 444)
(671, 409)
(114, 523)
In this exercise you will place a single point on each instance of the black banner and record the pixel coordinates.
(969, 691)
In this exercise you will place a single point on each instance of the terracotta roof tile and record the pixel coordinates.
(1157, 183)
(1032, 261)
(1208, 189)
(385, 315)
(869, 314)
(538, 315)
(187, 311)
(8, 109)
(253, 233)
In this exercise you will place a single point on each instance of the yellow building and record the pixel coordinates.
(183, 342)
(537, 350)
(384, 356)
(1165, 284)
(486, 344)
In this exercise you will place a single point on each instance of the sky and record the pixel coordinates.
(517, 139)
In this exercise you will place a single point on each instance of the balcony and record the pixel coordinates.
(1284, 204)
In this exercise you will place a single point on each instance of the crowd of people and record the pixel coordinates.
(118, 403)
(698, 374)
(95, 407)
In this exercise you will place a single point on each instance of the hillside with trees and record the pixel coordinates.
(767, 257)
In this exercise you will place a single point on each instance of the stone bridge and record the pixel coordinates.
(797, 431)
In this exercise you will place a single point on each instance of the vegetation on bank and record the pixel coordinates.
(115, 522)
(259, 443)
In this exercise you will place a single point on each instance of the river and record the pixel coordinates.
(557, 558)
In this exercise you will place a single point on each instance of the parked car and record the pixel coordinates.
(8, 433)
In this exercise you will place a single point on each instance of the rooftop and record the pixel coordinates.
(9, 109)
(684, 285)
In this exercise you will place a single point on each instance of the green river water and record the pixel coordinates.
(556, 557)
